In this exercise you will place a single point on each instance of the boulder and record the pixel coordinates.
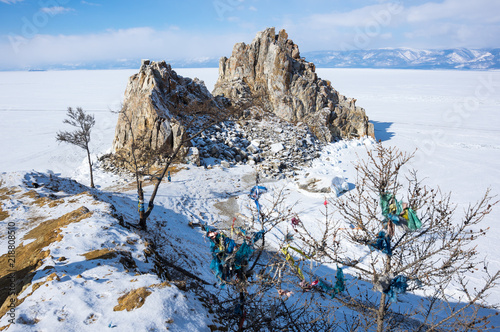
(252, 149)
(193, 156)
(314, 185)
(154, 99)
(277, 147)
(339, 185)
(270, 73)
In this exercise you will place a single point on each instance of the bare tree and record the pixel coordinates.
(423, 244)
(258, 292)
(142, 159)
(80, 137)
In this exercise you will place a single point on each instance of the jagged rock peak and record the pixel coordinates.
(271, 70)
(153, 98)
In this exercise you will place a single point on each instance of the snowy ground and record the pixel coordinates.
(452, 117)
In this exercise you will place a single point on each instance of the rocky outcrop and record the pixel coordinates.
(270, 71)
(154, 97)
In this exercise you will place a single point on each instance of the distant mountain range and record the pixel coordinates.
(397, 58)
(127, 64)
(406, 58)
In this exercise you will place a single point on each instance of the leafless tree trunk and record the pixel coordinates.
(90, 169)
(81, 136)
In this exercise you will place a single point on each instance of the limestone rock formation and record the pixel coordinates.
(153, 98)
(270, 69)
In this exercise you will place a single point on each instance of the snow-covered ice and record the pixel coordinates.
(450, 117)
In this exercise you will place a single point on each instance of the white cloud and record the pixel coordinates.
(10, 2)
(252, 8)
(56, 10)
(144, 42)
(367, 27)
(454, 23)
(485, 11)
(443, 24)
(382, 14)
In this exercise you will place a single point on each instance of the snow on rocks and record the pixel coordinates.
(279, 147)
(339, 184)
(193, 156)
(324, 174)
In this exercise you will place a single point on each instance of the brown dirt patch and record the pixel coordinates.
(6, 193)
(16, 275)
(132, 300)
(3, 214)
(31, 194)
(100, 254)
(41, 201)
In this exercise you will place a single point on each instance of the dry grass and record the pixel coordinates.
(162, 285)
(41, 201)
(47, 201)
(31, 194)
(5, 194)
(29, 257)
(132, 300)
(137, 297)
(100, 254)
(3, 214)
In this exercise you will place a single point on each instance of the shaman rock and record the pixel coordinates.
(154, 99)
(271, 73)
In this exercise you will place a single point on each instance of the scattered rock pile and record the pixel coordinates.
(278, 147)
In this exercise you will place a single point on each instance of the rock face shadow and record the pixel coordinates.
(382, 131)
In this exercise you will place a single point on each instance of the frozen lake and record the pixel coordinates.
(451, 117)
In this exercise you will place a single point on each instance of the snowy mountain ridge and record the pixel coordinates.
(408, 58)
(396, 58)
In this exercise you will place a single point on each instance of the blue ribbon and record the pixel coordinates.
(255, 193)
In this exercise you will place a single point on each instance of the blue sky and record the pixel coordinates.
(44, 32)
